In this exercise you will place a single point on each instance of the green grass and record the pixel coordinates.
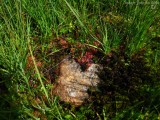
(129, 39)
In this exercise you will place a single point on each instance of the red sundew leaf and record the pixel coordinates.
(30, 63)
(35, 85)
(94, 50)
(89, 55)
(96, 43)
(52, 44)
(79, 45)
(98, 36)
(39, 64)
(62, 42)
(89, 64)
(84, 60)
(37, 113)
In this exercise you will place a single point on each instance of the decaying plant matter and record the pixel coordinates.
(73, 83)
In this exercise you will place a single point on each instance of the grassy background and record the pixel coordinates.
(128, 34)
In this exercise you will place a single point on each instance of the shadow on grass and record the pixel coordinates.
(8, 111)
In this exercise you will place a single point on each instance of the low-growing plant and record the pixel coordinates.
(36, 35)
